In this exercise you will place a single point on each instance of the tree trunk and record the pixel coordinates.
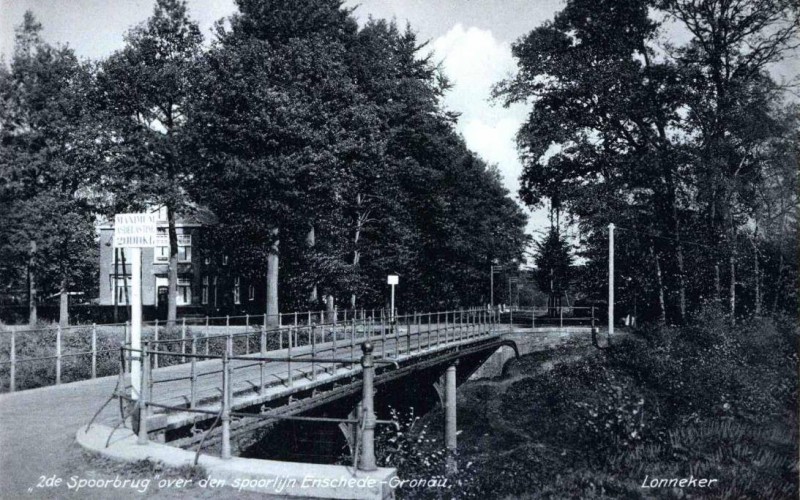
(172, 280)
(330, 306)
(732, 260)
(32, 313)
(63, 308)
(757, 278)
(311, 242)
(272, 281)
(361, 218)
(682, 282)
(778, 282)
(662, 317)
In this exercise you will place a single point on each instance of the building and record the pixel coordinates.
(207, 282)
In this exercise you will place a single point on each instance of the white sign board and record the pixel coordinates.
(135, 230)
(393, 279)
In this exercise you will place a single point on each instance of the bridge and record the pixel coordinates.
(207, 395)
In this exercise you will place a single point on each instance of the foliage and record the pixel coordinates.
(675, 144)
(340, 132)
(46, 164)
(709, 400)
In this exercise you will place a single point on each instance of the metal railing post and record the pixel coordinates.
(143, 393)
(263, 352)
(94, 350)
(229, 337)
(289, 357)
(313, 332)
(12, 384)
(393, 324)
(247, 333)
(367, 462)
(127, 343)
(155, 337)
(183, 340)
(58, 354)
(225, 402)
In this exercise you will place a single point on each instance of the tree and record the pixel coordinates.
(553, 266)
(47, 200)
(297, 118)
(621, 131)
(145, 89)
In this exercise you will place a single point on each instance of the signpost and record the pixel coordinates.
(134, 232)
(392, 280)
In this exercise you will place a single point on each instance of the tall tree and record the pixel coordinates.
(47, 199)
(145, 88)
(619, 126)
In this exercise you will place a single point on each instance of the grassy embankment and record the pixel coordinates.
(708, 400)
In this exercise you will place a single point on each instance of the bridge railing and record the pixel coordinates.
(310, 349)
(52, 354)
(560, 316)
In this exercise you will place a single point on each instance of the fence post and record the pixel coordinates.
(247, 333)
(12, 385)
(94, 350)
(58, 354)
(183, 340)
(193, 382)
(143, 393)
(533, 317)
(206, 335)
(367, 462)
(226, 410)
(155, 337)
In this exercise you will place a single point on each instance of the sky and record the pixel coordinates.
(472, 39)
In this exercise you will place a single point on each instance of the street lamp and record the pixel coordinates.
(392, 280)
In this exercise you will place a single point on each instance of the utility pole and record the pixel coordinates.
(610, 279)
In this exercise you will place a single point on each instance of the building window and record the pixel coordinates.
(161, 251)
(184, 292)
(224, 260)
(207, 261)
(251, 293)
(162, 215)
(122, 290)
(204, 291)
(237, 299)
(215, 291)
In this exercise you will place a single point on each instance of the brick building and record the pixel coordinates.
(207, 283)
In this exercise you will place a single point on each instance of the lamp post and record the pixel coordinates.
(392, 280)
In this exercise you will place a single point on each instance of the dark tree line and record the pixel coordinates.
(691, 150)
(322, 148)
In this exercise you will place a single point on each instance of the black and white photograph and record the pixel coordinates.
(399, 249)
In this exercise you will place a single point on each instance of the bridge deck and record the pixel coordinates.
(256, 382)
